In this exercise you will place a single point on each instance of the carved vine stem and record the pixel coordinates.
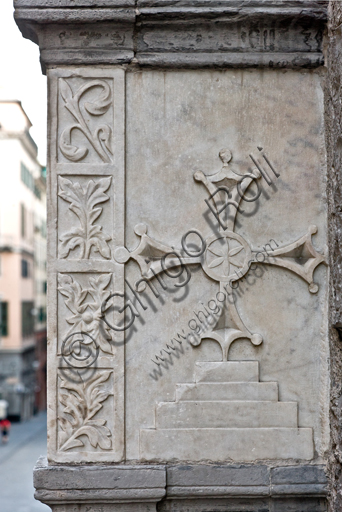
(81, 402)
(100, 139)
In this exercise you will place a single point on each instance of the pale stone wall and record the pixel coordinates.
(179, 136)
(195, 114)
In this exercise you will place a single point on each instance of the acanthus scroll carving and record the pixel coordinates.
(81, 403)
(86, 314)
(84, 201)
(100, 138)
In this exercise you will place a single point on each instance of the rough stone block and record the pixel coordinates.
(227, 476)
(178, 488)
(106, 484)
(298, 480)
(217, 505)
(191, 481)
(299, 505)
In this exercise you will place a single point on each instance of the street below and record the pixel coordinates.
(27, 442)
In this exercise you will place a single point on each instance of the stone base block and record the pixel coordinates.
(227, 415)
(120, 488)
(228, 391)
(222, 444)
(228, 371)
(105, 507)
(243, 505)
(181, 488)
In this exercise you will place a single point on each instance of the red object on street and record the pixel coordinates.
(5, 424)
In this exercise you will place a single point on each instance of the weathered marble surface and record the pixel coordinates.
(86, 220)
(103, 408)
(125, 488)
(173, 34)
(199, 113)
(133, 154)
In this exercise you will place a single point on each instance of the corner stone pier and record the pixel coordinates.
(194, 262)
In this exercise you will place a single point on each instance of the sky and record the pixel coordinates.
(21, 77)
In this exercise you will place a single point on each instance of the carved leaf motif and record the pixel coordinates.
(99, 241)
(66, 92)
(103, 102)
(81, 402)
(104, 134)
(235, 251)
(70, 151)
(87, 315)
(100, 139)
(99, 294)
(73, 293)
(82, 203)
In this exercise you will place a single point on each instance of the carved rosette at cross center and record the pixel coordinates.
(227, 256)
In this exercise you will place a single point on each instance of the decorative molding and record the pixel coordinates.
(85, 216)
(186, 487)
(81, 401)
(84, 201)
(177, 34)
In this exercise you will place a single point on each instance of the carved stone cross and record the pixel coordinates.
(226, 256)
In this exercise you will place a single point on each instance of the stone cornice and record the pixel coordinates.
(166, 33)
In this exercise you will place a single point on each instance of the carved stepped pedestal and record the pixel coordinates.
(245, 421)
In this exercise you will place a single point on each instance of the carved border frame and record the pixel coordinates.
(115, 169)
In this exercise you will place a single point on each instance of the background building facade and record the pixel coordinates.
(22, 265)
